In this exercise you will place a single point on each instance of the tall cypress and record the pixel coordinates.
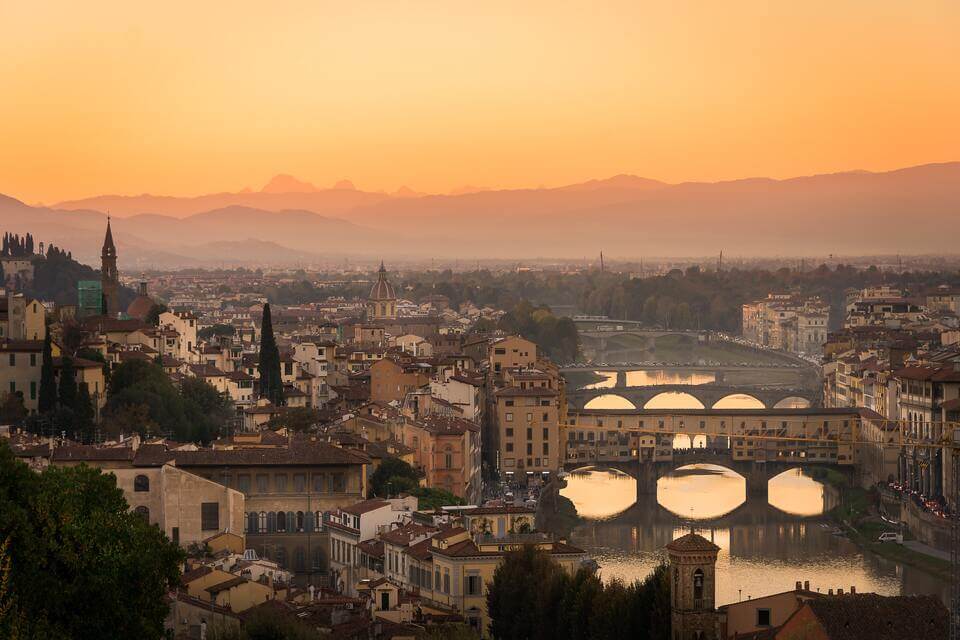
(47, 400)
(271, 384)
(84, 413)
(68, 384)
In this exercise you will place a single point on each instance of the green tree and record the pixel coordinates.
(153, 316)
(271, 384)
(513, 605)
(431, 498)
(207, 410)
(67, 393)
(298, 419)
(47, 397)
(393, 476)
(12, 409)
(75, 548)
(84, 413)
(216, 330)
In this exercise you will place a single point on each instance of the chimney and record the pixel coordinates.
(142, 289)
(830, 592)
(840, 591)
(799, 585)
(806, 585)
(853, 590)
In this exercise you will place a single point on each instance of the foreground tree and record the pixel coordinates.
(79, 565)
(271, 384)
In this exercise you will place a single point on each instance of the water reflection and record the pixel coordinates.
(673, 400)
(764, 549)
(609, 380)
(738, 401)
(793, 402)
(609, 401)
(701, 491)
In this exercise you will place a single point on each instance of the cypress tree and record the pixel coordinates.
(84, 412)
(271, 384)
(47, 400)
(68, 385)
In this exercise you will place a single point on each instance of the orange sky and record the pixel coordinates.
(192, 97)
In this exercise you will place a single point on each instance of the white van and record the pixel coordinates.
(890, 536)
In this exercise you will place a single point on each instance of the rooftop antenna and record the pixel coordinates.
(720, 262)
(601, 261)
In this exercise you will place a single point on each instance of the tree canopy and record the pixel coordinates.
(533, 598)
(271, 384)
(77, 564)
(142, 398)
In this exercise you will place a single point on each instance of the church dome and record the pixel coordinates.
(382, 289)
(141, 305)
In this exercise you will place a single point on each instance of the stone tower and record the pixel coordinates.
(382, 301)
(693, 584)
(109, 278)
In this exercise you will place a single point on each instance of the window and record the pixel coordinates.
(446, 581)
(698, 589)
(508, 403)
(13, 359)
(243, 483)
(509, 417)
(33, 390)
(546, 448)
(210, 516)
(473, 586)
(281, 521)
(509, 447)
(143, 512)
(529, 433)
(263, 483)
(33, 359)
(529, 448)
(299, 482)
(318, 482)
(176, 535)
(509, 432)
(546, 433)
(262, 522)
(763, 617)
(338, 482)
(141, 483)
(252, 522)
(281, 482)
(546, 417)
(529, 417)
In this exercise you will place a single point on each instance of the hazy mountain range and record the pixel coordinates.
(910, 211)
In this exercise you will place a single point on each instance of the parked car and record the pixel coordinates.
(891, 536)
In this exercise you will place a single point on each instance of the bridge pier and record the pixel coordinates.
(757, 480)
(621, 378)
(648, 472)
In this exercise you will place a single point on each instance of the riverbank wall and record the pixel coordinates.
(922, 525)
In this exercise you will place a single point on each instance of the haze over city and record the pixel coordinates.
(431, 320)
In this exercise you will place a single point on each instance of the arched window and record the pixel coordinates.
(252, 526)
(262, 522)
(698, 589)
(318, 520)
(271, 522)
(143, 512)
(141, 483)
(281, 521)
(300, 521)
(291, 522)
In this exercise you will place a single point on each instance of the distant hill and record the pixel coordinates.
(911, 210)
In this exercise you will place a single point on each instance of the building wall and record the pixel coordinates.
(529, 433)
(174, 498)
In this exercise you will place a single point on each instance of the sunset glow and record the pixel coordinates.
(188, 98)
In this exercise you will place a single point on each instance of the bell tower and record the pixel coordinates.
(109, 278)
(693, 585)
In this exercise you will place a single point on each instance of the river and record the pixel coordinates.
(766, 545)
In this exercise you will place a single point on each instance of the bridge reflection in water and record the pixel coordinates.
(764, 547)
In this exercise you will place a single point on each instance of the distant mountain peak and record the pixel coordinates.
(406, 192)
(619, 181)
(345, 185)
(284, 183)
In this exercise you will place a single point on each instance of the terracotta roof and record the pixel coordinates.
(868, 615)
(80, 452)
(298, 453)
(440, 425)
(226, 584)
(692, 542)
(402, 535)
(365, 506)
(421, 550)
(373, 548)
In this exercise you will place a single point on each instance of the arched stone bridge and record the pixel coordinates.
(707, 394)
(756, 474)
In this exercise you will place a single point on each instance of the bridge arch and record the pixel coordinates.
(793, 492)
(793, 402)
(691, 491)
(739, 401)
(673, 400)
(609, 401)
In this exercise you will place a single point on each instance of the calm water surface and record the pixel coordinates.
(766, 545)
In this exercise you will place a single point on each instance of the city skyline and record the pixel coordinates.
(191, 100)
